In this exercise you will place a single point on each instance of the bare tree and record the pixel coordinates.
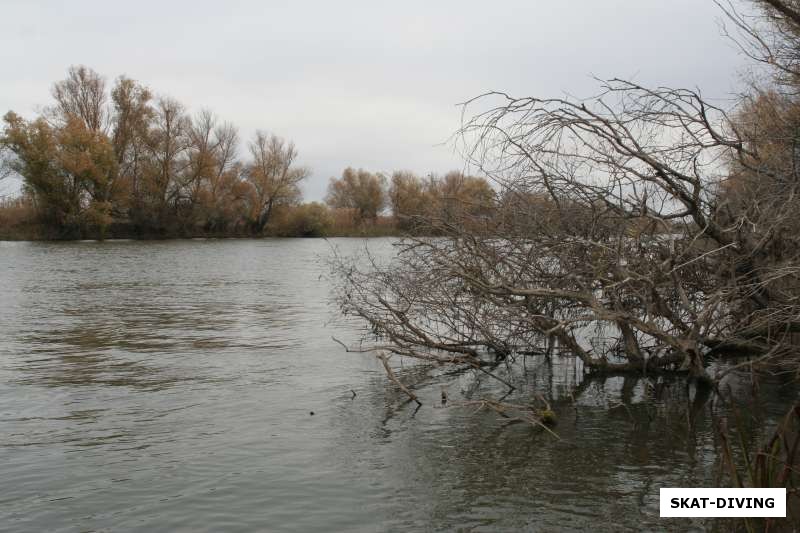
(167, 143)
(82, 95)
(131, 116)
(627, 254)
(213, 168)
(273, 178)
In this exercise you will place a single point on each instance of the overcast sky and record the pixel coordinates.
(363, 84)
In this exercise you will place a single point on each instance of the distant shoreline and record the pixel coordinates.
(36, 236)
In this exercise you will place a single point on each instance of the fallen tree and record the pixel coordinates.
(642, 230)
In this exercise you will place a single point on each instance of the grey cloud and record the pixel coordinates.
(370, 84)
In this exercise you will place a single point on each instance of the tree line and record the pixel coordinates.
(106, 161)
(97, 159)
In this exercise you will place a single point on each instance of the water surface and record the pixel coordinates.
(168, 386)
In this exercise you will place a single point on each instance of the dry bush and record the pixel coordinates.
(18, 219)
(642, 230)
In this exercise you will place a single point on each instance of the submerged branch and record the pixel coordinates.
(389, 372)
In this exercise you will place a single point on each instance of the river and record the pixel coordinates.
(169, 386)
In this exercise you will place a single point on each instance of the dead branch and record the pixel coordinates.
(389, 372)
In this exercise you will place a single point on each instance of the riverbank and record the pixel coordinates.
(35, 231)
(35, 234)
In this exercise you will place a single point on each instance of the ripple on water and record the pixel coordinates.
(167, 386)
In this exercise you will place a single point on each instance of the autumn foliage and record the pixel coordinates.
(124, 162)
(133, 164)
